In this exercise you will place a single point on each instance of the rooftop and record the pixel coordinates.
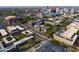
(10, 17)
(3, 32)
(11, 28)
(69, 33)
(9, 39)
(27, 32)
(19, 27)
(74, 25)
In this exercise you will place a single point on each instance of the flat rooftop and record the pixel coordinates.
(11, 28)
(19, 27)
(74, 24)
(3, 32)
(69, 33)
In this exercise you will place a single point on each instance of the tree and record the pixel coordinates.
(51, 31)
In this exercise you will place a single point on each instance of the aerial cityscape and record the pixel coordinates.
(39, 29)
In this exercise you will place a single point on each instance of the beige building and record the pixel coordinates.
(69, 36)
(10, 19)
(74, 25)
(3, 32)
(39, 15)
(11, 28)
(69, 33)
(66, 41)
(9, 39)
(27, 32)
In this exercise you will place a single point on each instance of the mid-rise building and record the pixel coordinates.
(73, 25)
(64, 38)
(9, 40)
(3, 32)
(14, 29)
(41, 28)
(69, 36)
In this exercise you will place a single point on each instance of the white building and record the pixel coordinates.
(44, 28)
(15, 29)
(37, 27)
(48, 10)
(65, 10)
(27, 32)
(61, 11)
(39, 15)
(50, 19)
(72, 11)
(57, 10)
(41, 28)
(11, 28)
(19, 27)
(8, 40)
(3, 32)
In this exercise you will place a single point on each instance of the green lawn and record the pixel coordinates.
(20, 36)
(25, 19)
(23, 47)
(78, 32)
(9, 38)
(0, 37)
(1, 19)
(51, 31)
(55, 42)
(30, 44)
(48, 25)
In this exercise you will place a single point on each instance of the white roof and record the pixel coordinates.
(69, 33)
(11, 28)
(3, 32)
(74, 38)
(74, 24)
(29, 31)
(6, 41)
(19, 27)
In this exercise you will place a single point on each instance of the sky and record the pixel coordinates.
(39, 2)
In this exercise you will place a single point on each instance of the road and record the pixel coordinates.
(8, 48)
